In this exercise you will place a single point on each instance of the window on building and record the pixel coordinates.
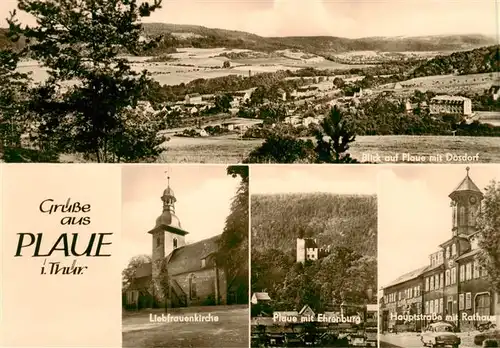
(462, 273)
(203, 263)
(483, 305)
(448, 252)
(440, 257)
(431, 309)
(427, 309)
(426, 284)
(468, 301)
(461, 216)
(418, 290)
(192, 287)
(175, 243)
(484, 272)
(436, 306)
(468, 271)
(436, 281)
(399, 296)
(441, 280)
(474, 243)
(447, 277)
(431, 285)
(453, 249)
(441, 305)
(476, 269)
(453, 275)
(461, 301)
(419, 308)
(472, 217)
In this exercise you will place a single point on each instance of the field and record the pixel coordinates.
(196, 63)
(451, 84)
(230, 150)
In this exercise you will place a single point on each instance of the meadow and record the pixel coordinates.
(194, 63)
(233, 150)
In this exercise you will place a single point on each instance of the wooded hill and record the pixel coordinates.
(345, 223)
(202, 37)
(178, 36)
(338, 220)
(480, 60)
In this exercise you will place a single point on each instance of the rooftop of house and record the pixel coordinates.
(449, 98)
(262, 296)
(407, 276)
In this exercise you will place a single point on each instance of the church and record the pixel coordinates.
(179, 274)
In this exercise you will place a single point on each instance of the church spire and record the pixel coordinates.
(168, 197)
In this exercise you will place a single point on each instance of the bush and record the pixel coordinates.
(491, 343)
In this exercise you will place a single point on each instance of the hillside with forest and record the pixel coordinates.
(178, 36)
(346, 225)
(480, 60)
(340, 220)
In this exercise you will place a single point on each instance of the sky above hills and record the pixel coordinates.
(344, 18)
(414, 213)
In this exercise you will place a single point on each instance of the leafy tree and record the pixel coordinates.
(281, 148)
(338, 82)
(129, 273)
(13, 94)
(226, 64)
(272, 113)
(333, 139)
(233, 245)
(223, 102)
(80, 107)
(488, 225)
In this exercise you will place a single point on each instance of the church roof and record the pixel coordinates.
(188, 258)
(467, 185)
(168, 218)
(168, 192)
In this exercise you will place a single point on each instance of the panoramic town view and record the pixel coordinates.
(200, 91)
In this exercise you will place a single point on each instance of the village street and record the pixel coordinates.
(230, 331)
(412, 340)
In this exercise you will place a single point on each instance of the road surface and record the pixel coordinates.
(412, 340)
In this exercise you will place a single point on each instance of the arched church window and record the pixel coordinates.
(472, 217)
(461, 216)
(192, 286)
(453, 249)
(175, 243)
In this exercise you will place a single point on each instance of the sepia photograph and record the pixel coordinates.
(185, 256)
(314, 256)
(268, 81)
(439, 256)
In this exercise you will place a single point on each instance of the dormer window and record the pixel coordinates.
(175, 243)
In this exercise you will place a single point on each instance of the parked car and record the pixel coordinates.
(440, 334)
(493, 334)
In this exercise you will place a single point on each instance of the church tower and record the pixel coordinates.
(466, 206)
(167, 236)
